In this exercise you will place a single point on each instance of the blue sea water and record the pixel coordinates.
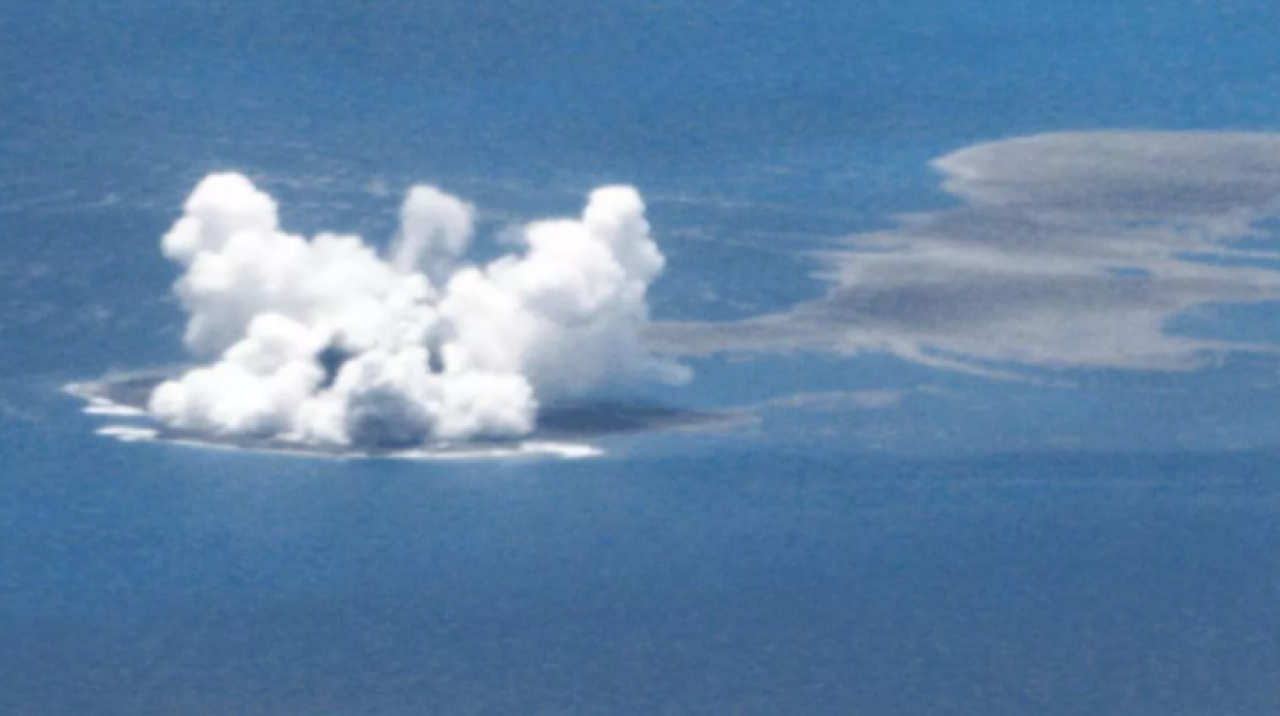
(980, 547)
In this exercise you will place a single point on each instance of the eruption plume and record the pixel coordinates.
(330, 342)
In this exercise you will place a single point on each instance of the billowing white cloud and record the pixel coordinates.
(435, 232)
(326, 341)
(1069, 250)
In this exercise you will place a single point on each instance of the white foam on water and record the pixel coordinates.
(129, 433)
(104, 407)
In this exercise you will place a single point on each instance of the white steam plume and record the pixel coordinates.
(328, 342)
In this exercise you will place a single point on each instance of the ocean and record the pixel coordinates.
(861, 531)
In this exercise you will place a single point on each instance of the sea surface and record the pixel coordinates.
(853, 534)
